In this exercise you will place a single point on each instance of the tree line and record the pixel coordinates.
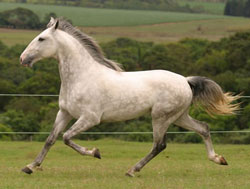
(226, 61)
(237, 8)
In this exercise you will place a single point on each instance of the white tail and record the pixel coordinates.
(210, 96)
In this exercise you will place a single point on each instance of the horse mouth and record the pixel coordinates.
(27, 62)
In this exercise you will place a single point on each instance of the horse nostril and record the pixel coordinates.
(21, 60)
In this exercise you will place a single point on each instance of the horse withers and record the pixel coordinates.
(95, 89)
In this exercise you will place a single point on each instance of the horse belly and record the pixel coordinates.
(124, 112)
(122, 115)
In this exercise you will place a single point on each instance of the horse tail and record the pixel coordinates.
(209, 95)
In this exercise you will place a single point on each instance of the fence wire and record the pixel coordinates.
(123, 133)
(50, 95)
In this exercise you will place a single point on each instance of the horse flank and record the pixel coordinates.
(90, 44)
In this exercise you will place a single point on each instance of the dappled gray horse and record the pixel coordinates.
(95, 90)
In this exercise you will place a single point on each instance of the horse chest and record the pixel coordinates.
(75, 103)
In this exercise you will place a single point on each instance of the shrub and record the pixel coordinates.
(20, 18)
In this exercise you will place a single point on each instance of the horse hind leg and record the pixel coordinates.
(81, 125)
(159, 134)
(187, 122)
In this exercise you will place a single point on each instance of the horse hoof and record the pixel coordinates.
(97, 153)
(27, 170)
(129, 174)
(223, 161)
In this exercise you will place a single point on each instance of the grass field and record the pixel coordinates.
(209, 7)
(159, 33)
(105, 25)
(109, 17)
(179, 166)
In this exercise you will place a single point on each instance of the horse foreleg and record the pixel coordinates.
(202, 129)
(81, 125)
(61, 122)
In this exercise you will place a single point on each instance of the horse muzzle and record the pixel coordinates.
(26, 61)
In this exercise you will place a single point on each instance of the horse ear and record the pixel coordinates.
(52, 20)
(56, 25)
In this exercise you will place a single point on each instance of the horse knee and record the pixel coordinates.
(66, 138)
(50, 140)
(158, 147)
(161, 146)
(206, 132)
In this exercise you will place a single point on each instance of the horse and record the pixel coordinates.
(95, 90)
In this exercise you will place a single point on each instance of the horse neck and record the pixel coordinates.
(74, 60)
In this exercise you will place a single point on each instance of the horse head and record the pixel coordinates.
(42, 46)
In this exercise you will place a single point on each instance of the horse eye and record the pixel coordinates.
(41, 39)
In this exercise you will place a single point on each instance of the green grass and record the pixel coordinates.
(209, 7)
(109, 17)
(12, 37)
(159, 33)
(179, 166)
(105, 25)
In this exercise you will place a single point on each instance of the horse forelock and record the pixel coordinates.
(91, 46)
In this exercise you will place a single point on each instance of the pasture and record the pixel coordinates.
(179, 166)
(158, 33)
(210, 7)
(109, 17)
(105, 24)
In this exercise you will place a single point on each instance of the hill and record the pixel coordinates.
(163, 5)
(109, 17)
(213, 29)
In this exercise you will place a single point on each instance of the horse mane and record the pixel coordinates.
(91, 46)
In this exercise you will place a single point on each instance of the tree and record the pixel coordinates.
(212, 63)
(128, 52)
(2, 20)
(237, 8)
(20, 122)
(3, 47)
(41, 83)
(4, 128)
(173, 57)
(6, 87)
(10, 70)
(228, 8)
(247, 9)
(20, 18)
